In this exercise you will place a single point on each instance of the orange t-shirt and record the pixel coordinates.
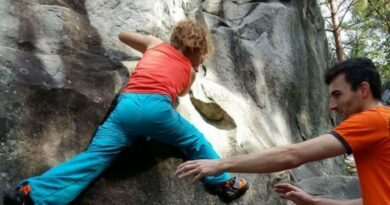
(161, 70)
(366, 135)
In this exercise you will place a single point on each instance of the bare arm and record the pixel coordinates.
(286, 156)
(323, 201)
(300, 197)
(192, 79)
(138, 41)
(270, 160)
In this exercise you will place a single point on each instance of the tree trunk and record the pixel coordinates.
(336, 30)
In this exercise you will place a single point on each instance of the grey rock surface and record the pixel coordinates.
(60, 68)
(326, 186)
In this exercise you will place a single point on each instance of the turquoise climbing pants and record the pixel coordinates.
(134, 115)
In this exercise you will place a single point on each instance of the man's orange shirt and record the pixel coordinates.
(366, 135)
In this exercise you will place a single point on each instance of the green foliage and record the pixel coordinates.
(368, 33)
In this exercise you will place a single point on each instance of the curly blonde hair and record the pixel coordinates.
(191, 35)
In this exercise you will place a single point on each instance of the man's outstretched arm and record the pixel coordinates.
(271, 160)
(300, 197)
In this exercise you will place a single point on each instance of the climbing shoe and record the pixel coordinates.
(19, 196)
(230, 190)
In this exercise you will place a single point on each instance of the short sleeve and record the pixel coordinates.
(361, 131)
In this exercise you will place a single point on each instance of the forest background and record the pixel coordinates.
(359, 28)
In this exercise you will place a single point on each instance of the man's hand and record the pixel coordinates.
(294, 194)
(199, 168)
(299, 197)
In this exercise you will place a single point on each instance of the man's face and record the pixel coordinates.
(342, 99)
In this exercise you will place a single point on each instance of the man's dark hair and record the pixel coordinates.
(357, 70)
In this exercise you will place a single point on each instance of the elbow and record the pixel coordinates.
(184, 93)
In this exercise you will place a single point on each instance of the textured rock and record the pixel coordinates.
(326, 186)
(56, 84)
(60, 69)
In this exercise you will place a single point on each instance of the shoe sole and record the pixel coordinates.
(238, 195)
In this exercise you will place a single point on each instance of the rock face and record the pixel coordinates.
(386, 93)
(327, 186)
(60, 68)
